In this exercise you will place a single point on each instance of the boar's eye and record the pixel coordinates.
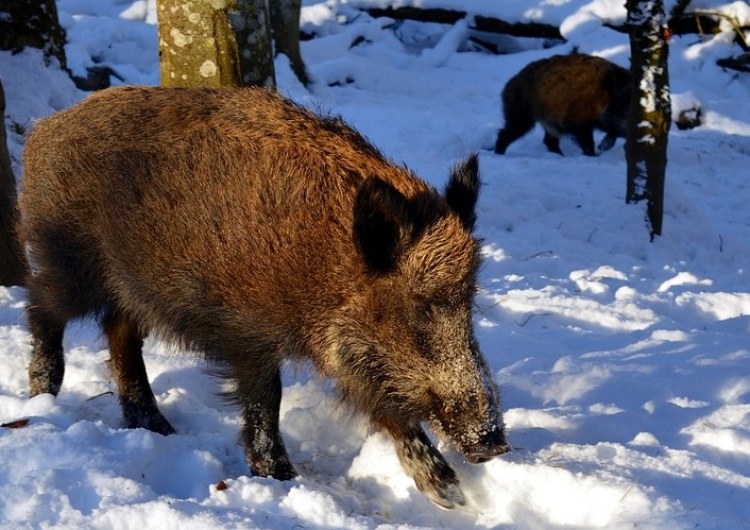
(425, 310)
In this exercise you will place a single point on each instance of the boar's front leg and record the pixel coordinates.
(420, 459)
(126, 353)
(259, 393)
(552, 141)
(585, 138)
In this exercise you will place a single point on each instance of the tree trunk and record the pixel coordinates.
(285, 29)
(11, 257)
(650, 109)
(251, 22)
(32, 23)
(197, 46)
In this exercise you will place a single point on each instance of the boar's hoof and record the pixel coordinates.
(160, 426)
(287, 473)
(446, 496)
(279, 468)
(153, 421)
(445, 491)
(607, 143)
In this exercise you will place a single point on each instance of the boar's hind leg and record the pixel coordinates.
(517, 124)
(47, 365)
(259, 393)
(423, 462)
(136, 398)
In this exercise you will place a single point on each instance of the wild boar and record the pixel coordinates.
(240, 225)
(567, 94)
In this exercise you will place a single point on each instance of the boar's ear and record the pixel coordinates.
(381, 214)
(462, 191)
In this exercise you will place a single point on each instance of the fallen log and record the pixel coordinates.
(481, 22)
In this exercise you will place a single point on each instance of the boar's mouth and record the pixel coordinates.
(476, 431)
(477, 448)
(489, 446)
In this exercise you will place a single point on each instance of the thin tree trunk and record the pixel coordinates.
(650, 110)
(11, 257)
(251, 22)
(32, 23)
(285, 28)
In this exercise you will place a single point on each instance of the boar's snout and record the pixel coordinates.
(489, 446)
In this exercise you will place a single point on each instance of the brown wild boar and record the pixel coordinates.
(240, 225)
(567, 94)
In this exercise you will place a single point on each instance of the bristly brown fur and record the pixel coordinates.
(247, 228)
(567, 94)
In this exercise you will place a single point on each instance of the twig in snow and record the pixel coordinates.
(529, 317)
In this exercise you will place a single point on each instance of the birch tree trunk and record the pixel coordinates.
(650, 109)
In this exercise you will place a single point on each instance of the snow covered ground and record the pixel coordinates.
(624, 363)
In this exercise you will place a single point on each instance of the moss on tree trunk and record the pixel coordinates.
(197, 46)
(216, 43)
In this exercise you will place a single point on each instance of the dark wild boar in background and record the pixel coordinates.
(245, 227)
(567, 94)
